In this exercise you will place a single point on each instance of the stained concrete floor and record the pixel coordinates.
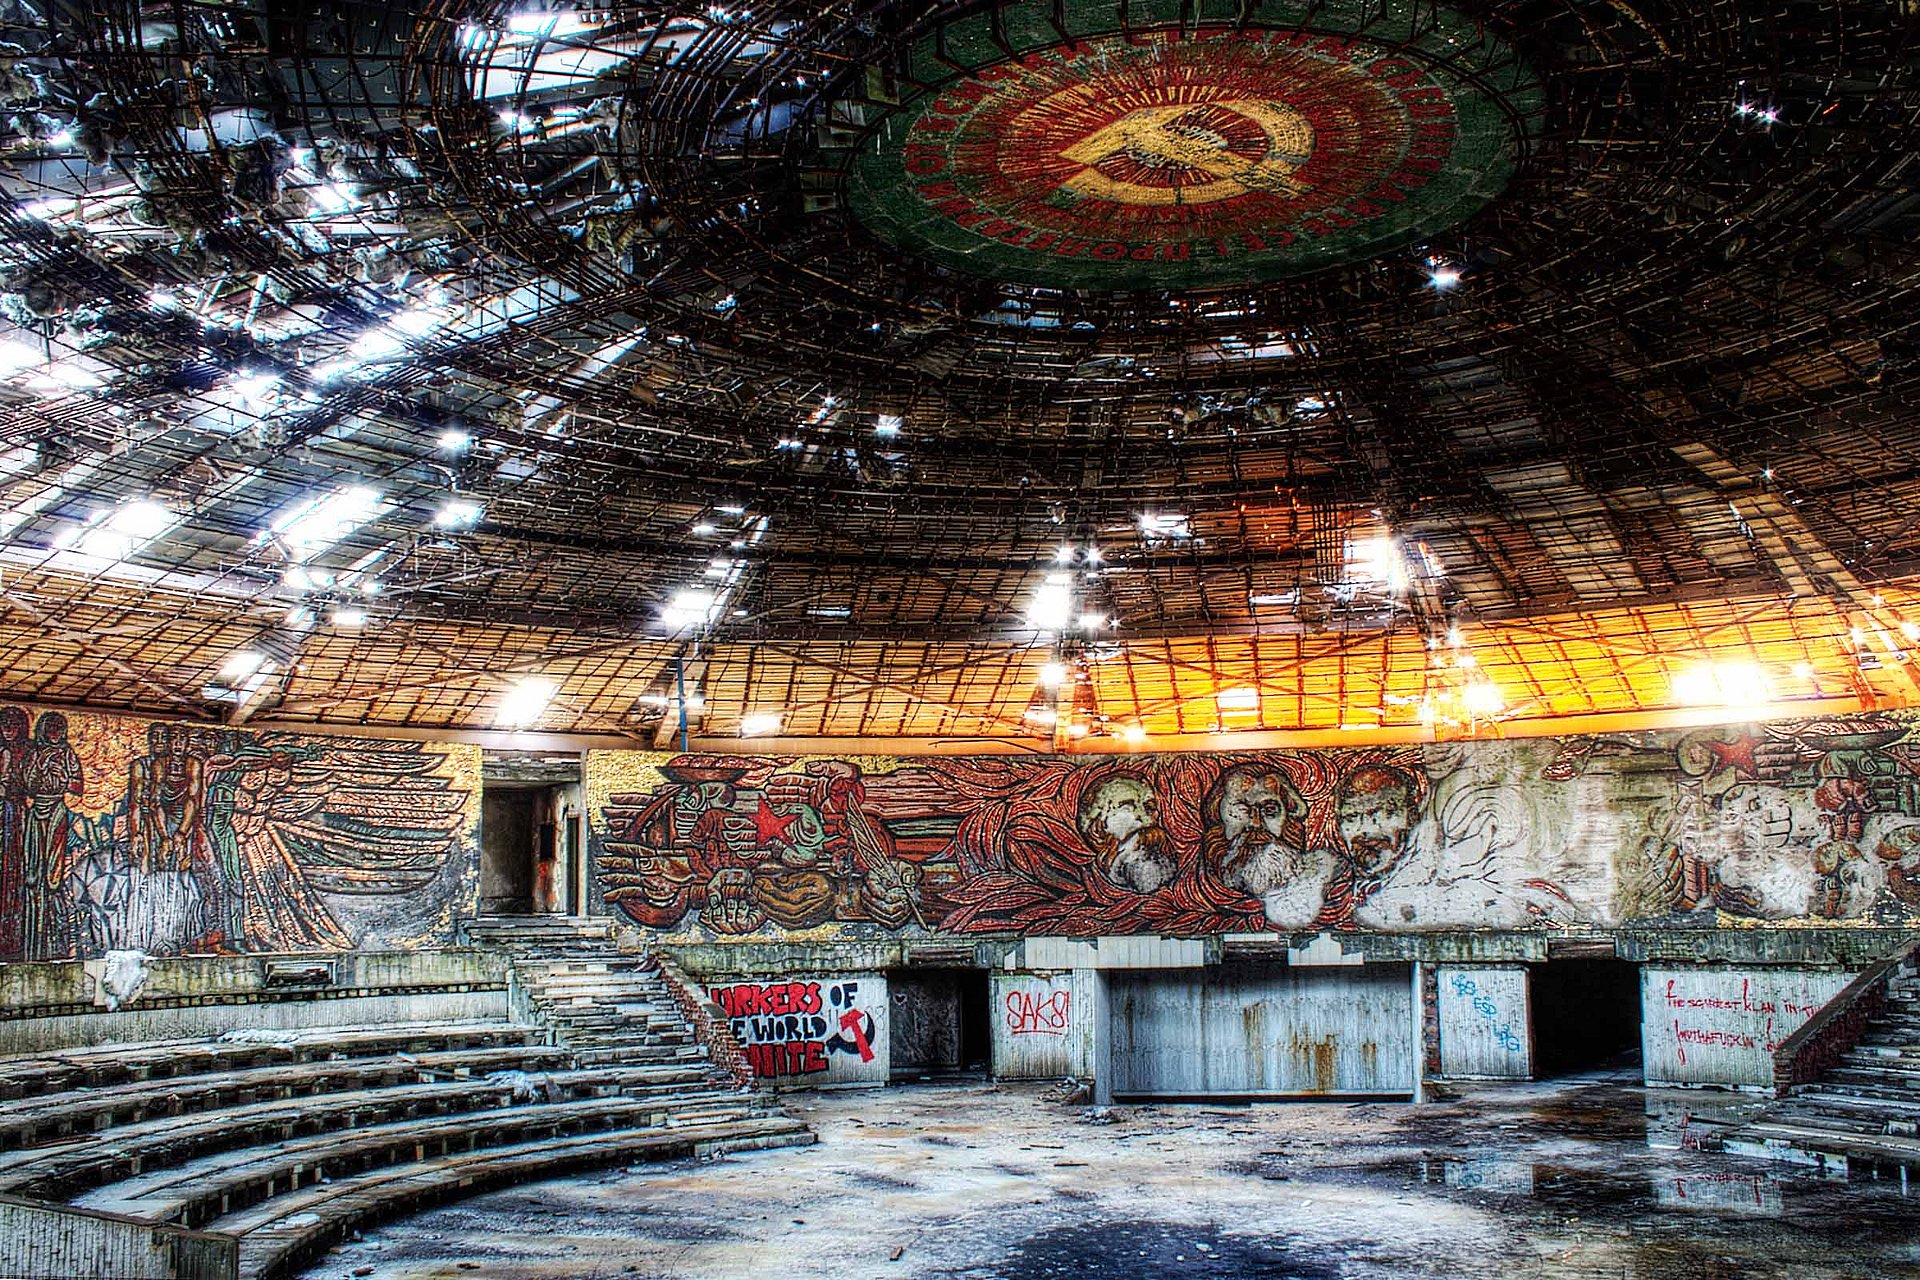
(1587, 1177)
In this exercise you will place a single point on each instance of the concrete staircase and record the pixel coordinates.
(603, 1005)
(1866, 1108)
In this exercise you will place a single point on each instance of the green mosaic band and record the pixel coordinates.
(1207, 154)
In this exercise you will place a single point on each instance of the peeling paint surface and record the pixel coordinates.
(1247, 1030)
(1583, 1178)
(1484, 1023)
(1805, 821)
(1042, 1025)
(1721, 1024)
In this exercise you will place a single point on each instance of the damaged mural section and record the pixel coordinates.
(164, 838)
(1814, 820)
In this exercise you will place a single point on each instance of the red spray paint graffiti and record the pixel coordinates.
(793, 1028)
(1039, 1013)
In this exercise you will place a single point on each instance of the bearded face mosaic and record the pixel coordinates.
(1805, 820)
(1079, 147)
(123, 834)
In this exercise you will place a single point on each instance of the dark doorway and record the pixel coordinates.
(576, 868)
(937, 1022)
(510, 820)
(532, 860)
(1586, 1014)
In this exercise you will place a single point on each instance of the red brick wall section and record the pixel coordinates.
(709, 1022)
(1829, 1042)
(1430, 1018)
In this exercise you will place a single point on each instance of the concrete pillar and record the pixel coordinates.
(1419, 1035)
(1102, 1040)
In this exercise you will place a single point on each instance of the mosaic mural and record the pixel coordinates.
(1804, 820)
(1081, 146)
(175, 838)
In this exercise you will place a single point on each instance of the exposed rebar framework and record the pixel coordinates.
(588, 271)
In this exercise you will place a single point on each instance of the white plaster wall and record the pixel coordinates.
(1485, 1023)
(66, 1031)
(64, 1241)
(1042, 1024)
(810, 1030)
(1719, 1024)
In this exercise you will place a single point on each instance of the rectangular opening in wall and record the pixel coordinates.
(576, 867)
(528, 801)
(1586, 1015)
(507, 827)
(939, 1022)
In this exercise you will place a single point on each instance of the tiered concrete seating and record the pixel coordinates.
(288, 1141)
(1867, 1108)
(99, 1068)
(300, 1223)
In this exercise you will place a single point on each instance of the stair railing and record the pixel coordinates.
(1837, 1025)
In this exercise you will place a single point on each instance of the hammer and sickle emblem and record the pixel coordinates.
(1176, 136)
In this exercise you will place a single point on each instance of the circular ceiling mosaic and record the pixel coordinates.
(1201, 155)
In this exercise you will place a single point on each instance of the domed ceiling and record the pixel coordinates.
(1092, 148)
(1049, 372)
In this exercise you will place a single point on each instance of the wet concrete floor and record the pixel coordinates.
(1588, 1177)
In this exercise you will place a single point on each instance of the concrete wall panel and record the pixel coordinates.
(1263, 1030)
(1485, 1023)
(59, 1242)
(1720, 1024)
(813, 1031)
(1042, 1025)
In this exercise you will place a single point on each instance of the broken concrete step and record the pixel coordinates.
(1786, 1140)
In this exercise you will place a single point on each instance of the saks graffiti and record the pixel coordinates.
(1039, 1012)
(790, 1028)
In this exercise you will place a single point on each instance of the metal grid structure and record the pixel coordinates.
(361, 363)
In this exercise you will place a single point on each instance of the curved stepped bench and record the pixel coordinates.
(195, 1192)
(278, 1143)
(69, 1168)
(274, 1144)
(28, 1076)
(49, 1117)
(288, 1230)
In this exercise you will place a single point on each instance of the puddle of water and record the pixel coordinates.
(1595, 1119)
(1680, 1122)
(1744, 1193)
(1147, 1248)
(1575, 1189)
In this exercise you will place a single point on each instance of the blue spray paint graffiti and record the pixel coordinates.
(1503, 1033)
